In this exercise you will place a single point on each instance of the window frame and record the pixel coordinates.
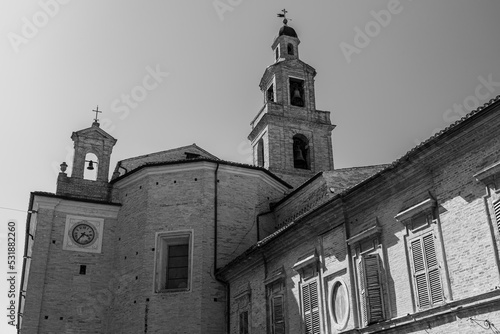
(426, 271)
(163, 241)
(243, 327)
(271, 295)
(368, 244)
(307, 267)
(339, 325)
(408, 217)
(314, 313)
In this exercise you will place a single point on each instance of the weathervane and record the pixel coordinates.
(96, 120)
(285, 21)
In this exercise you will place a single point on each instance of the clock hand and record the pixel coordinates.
(81, 235)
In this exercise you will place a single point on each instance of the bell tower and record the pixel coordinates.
(91, 162)
(289, 136)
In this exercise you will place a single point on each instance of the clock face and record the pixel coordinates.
(83, 233)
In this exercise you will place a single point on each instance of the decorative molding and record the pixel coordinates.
(76, 207)
(306, 260)
(278, 274)
(420, 207)
(489, 173)
(369, 232)
(201, 165)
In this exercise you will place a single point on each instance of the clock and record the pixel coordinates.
(83, 233)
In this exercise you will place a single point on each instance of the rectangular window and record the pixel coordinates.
(426, 275)
(276, 307)
(244, 322)
(173, 261)
(370, 289)
(310, 307)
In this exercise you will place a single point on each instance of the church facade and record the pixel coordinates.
(180, 241)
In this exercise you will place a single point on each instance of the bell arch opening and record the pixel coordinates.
(301, 154)
(91, 167)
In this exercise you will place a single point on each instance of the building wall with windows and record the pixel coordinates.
(167, 208)
(412, 249)
(180, 241)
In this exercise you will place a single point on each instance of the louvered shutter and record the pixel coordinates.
(278, 316)
(362, 292)
(244, 322)
(496, 207)
(370, 284)
(310, 306)
(426, 272)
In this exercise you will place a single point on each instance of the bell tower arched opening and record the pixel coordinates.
(91, 166)
(301, 158)
(260, 153)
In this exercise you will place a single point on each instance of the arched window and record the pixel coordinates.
(260, 153)
(301, 152)
(290, 48)
(91, 167)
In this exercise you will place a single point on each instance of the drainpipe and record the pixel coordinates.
(226, 284)
(215, 216)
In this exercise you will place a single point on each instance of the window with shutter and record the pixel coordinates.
(276, 307)
(310, 306)
(370, 289)
(426, 275)
(244, 322)
(278, 316)
(496, 207)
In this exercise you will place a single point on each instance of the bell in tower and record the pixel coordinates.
(300, 153)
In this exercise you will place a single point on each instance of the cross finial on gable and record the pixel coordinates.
(96, 120)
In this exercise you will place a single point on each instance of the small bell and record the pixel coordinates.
(297, 155)
(296, 94)
(91, 165)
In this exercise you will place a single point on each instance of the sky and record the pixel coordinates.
(171, 73)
